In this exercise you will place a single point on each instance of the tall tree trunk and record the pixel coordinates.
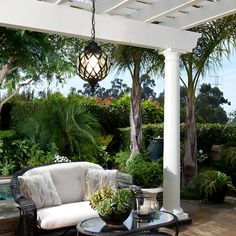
(135, 117)
(190, 160)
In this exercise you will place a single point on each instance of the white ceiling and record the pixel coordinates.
(158, 24)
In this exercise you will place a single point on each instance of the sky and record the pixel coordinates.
(224, 79)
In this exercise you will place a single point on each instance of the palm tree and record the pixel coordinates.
(216, 42)
(138, 62)
(64, 123)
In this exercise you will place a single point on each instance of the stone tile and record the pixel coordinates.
(9, 218)
(210, 219)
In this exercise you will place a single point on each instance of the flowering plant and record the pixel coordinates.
(61, 159)
(201, 156)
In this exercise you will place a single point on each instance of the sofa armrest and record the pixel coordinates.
(28, 211)
(28, 214)
(136, 188)
(26, 206)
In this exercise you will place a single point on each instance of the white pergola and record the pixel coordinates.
(156, 24)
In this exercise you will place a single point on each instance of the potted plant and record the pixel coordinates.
(149, 176)
(113, 205)
(213, 185)
(145, 173)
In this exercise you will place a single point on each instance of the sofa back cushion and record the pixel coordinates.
(40, 189)
(96, 179)
(68, 178)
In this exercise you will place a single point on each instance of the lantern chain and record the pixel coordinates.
(93, 21)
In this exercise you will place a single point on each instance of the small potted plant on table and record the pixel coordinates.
(113, 205)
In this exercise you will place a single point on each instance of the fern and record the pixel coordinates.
(210, 182)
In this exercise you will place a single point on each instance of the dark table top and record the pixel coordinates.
(133, 225)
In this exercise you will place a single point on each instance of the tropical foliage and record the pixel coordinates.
(67, 125)
(138, 62)
(217, 40)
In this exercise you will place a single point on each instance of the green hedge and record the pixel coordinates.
(152, 112)
(207, 135)
(111, 113)
(21, 111)
(149, 131)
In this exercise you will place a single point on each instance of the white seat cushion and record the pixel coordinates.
(65, 215)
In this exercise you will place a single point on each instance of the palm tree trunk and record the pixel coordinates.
(190, 160)
(135, 118)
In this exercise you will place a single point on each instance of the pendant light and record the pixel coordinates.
(93, 64)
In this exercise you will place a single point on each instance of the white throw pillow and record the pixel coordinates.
(41, 189)
(96, 179)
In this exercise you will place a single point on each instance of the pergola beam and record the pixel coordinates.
(119, 5)
(45, 17)
(161, 9)
(207, 13)
(105, 6)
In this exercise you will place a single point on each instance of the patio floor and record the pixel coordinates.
(207, 220)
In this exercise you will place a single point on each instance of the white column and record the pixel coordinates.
(171, 162)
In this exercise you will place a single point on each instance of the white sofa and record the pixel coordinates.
(56, 196)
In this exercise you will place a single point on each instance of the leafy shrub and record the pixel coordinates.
(68, 126)
(121, 160)
(189, 194)
(38, 156)
(7, 167)
(21, 111)
(229, 158)
(152, 112)
(7, 162)
(209, 134)
(213, 185)
(110, 113)
(145, 173)
(227, 163)
(5, 134)
(17, 154)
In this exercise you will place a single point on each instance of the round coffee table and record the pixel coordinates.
(133, 225)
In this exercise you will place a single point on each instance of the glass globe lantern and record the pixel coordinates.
(93, 64)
